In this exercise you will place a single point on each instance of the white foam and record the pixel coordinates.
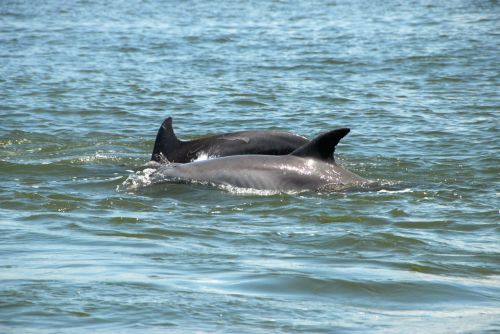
(407, 190)
(204, 156)
(252, 191)
(137, 180)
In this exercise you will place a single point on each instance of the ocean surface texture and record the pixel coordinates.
(86, 246)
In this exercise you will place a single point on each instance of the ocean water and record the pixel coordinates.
(84, 86)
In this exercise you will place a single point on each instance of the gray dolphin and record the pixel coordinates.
(169, 147)
(310, 167)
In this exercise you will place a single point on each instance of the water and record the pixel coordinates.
(85, 85)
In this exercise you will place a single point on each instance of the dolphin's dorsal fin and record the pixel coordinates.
(165, 138)
(323, 146)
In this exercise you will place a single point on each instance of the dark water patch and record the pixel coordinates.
(129, 49)
(40, 217)
(446, 79)
(396, 212)
(327, 219)
(31, 195)
(41, 171)
(135, 235)
(9, 204)
(248, 103)
(333, 99)
(61, 206)
(297, 286)
(333, 61)
(425, 224)
(377, 241)
(129, 204)
(453, 270)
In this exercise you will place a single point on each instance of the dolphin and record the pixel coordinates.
(169, 148)
(309, 167)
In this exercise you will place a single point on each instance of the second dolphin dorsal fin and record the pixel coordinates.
(165, 139)
(323, 146)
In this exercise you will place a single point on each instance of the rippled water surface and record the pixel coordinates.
(84, 86)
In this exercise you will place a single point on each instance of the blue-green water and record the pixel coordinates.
(84, 86)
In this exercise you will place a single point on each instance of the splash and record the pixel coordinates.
(137, 180)
(97, 157)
